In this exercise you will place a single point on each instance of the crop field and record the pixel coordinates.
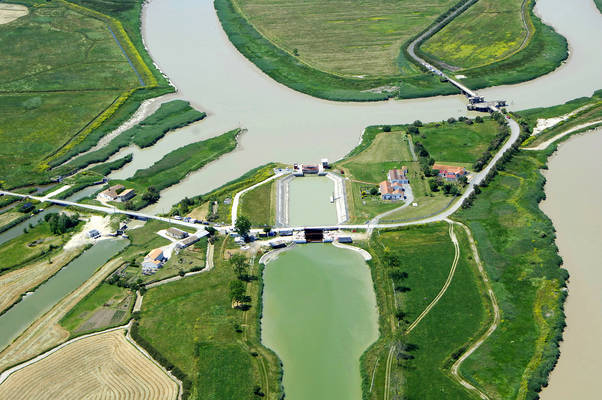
(106, 306)
(516, 243)
(259, 205)
(457, 142)
(102, 366)
(344, 37)
(15, 283)
(485, 33)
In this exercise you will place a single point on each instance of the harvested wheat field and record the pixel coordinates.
(104, 366)
(15, 283)
(10, 12)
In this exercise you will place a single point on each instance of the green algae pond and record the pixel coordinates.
(319, 316)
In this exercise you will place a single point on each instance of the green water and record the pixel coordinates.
(319, 316)
(69, 278)
(309, 202)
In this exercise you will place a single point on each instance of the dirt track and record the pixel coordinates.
(104, 366)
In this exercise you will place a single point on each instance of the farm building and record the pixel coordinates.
(449, 172)
(153, 261)
(188, 242)
(398, 176)
(176, 233)
(388, 192)
(111, 193)
(126, 195)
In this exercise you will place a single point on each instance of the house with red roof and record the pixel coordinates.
(449, 172)
(388, 192)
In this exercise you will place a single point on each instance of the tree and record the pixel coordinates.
(237, 291)
(478, 120)
(239, 264)
(418, 123)
(434, 185)
(374, 191)
(243, 226)
(451, 120)
(413, 130)
(151, 195)
(129, 205)
(267, 229)
(210, 230)
(386, 128)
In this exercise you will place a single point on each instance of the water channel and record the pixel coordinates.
(309, 201)
(319, 316)
(574, 196)
(70, 277)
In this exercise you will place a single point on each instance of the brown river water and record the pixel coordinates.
(574, 197)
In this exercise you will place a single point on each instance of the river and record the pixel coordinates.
(70, 277)
(319, 316)
(187, 42)
(574, 196)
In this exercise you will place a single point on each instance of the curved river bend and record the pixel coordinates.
(188, 43)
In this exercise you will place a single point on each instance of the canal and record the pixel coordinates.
(309, 201)
(21, 315)
(319, 316)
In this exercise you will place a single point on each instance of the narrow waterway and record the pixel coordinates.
(309, 201)
(70, 277)
(319, 316)
(188, 43)
(574, 196)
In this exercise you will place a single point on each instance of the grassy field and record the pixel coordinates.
(598, 4)
(259, 205)
(314, 47)
(222, 212)
(457, 142)
(425, 253)
(63, 82)
(101, 366)
(170, 116)
(485, 33)
(38, 242)
(192, 324)
(344, 37)
(287, 68)
(106, 306)
(516, 243)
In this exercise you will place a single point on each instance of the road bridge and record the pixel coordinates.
(472, 95)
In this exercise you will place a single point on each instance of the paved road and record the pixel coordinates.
(431, 67)
(238, 195)
(103, 209)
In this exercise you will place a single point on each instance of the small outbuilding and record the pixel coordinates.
(176, 233)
